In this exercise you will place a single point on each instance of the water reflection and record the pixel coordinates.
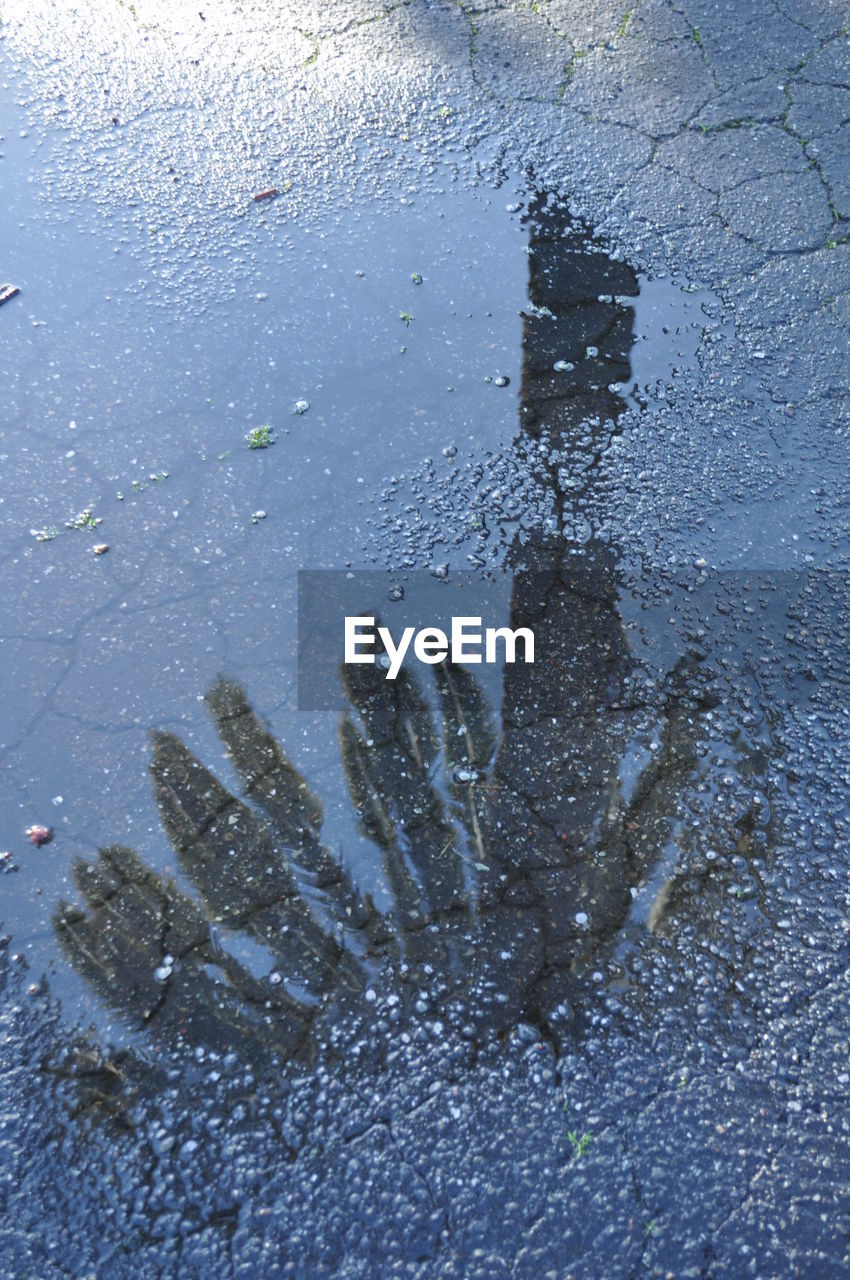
(513, 854)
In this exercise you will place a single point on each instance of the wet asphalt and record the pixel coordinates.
(544, 977)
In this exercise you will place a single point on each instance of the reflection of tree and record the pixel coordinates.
(167, 959)
(511, 856)
(491, 872)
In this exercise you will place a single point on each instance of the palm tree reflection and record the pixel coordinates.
(508, 879)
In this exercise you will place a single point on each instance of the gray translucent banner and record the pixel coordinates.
(395, 602)
(589, 623)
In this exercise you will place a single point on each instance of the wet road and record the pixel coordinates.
(536, 976)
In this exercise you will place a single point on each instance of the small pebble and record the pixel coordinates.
(39, 835)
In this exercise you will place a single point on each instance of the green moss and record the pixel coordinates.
(624, 22)
(579, 1144)
(85, 519)
(260, 437)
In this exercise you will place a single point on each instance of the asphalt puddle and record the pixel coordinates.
(426, 387)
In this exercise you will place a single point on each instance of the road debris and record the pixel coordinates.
(39, 835)
(260, 437)
(85, 519)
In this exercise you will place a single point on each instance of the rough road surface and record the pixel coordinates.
(624, 1053)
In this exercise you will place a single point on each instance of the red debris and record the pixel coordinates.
(40, 835)
(267, 194)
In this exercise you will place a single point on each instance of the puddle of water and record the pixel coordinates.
(462, 325)
(671, 320)
(115, 387)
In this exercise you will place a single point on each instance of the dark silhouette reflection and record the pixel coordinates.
(172, 962)
(167, 959)
(511, 853)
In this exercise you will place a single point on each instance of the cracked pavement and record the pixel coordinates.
(670, 1098)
